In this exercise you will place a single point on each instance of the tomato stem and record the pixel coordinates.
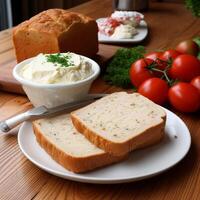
(152, 67)
(156, 70)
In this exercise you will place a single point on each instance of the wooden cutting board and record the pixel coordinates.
(8, 61)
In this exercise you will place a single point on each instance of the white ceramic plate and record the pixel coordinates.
(141, 35)
(140, 165)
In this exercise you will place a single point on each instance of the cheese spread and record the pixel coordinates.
(120, 25)
(124, 32)
(57, 68)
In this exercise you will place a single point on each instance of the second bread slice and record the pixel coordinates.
(121, 122)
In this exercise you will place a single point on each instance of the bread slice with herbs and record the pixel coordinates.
(121, 122)
(72, 150)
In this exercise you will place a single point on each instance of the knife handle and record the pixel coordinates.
(10, 123)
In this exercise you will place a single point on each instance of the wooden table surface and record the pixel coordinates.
(169, 23)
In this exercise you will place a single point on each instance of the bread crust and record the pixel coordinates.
(149, 137)
(56, 30)
(75, 164)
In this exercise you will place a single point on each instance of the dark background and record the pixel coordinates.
(24, 9)
(13, 12)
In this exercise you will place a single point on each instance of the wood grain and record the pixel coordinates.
(169, 23)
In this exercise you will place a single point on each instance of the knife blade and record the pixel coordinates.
(42, 111)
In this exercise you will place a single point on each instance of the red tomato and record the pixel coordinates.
(184, 97)
(196, 82)
(188, 47)
(154, 89)
(169, 54)
(138, 71)
(185, 68)
(153, 55)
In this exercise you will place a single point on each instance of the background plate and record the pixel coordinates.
(140, 165)
(141, 35)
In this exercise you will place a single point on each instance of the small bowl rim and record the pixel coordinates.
(23, 81)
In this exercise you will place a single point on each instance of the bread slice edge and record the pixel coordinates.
(119, 149)
(75, 164)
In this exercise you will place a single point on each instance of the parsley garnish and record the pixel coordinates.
(59, 58)
(117, 72)
(197, 40)
(194, 6)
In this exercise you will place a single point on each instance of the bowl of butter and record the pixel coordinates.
(56, 79)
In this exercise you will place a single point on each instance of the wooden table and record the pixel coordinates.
(169, 23)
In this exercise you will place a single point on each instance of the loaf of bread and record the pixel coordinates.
(68, 147)
(56, 30)
(121, 122)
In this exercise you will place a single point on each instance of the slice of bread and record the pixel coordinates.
(71, 149)
(121, 122)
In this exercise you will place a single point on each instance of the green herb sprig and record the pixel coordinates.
(197, 40)
(58, 58)
(117, 72)
(194, 6)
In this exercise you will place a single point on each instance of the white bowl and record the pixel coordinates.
(51, 95)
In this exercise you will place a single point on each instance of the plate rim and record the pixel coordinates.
(87, 179)
(123, 40)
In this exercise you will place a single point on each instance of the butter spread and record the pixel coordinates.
(124, 32)
(57, 68)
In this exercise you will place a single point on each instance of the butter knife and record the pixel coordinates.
(42, 111)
